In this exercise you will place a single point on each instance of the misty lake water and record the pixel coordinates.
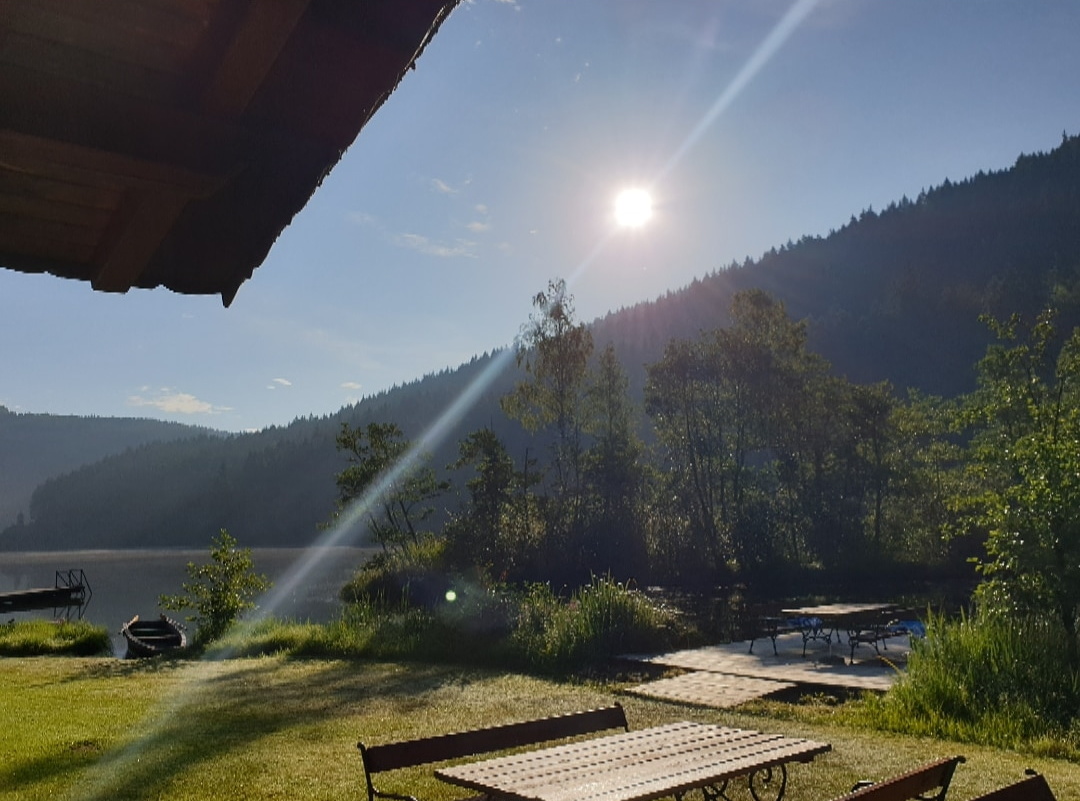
(127, 583)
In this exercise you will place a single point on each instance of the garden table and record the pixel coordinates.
(667, 760)
(862, 622)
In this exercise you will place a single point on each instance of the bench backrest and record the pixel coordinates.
(915, 784)
(1033, 788)
(443, 747)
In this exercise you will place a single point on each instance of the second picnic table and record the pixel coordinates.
(642, 765)
(854, 618)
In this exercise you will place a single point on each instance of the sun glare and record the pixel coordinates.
(633, 208)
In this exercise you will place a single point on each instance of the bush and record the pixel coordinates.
(219, 592)
(53, 638)
(478, 626)
(1002, 682)
(601, 620)
(411, 575)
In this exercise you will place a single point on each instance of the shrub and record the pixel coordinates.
(410, 575)
(220, 591)
(999, 681)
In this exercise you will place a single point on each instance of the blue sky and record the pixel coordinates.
(494, 167)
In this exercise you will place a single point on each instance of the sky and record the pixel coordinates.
(495, 166)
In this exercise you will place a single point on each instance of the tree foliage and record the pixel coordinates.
(219, 591)
(396, 493)
(1024, 472)
(499, 530)
(553, 351)
(770, 459)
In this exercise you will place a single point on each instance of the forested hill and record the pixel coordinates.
(34, 447)
(891, 295)
(274, 487)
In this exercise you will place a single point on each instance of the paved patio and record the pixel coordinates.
(728, 675)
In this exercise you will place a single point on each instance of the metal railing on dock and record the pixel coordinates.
(70, 591)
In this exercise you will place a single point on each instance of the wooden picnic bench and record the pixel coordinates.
(474, 742)
(915, 784)
(1033, 788)
(876, 636)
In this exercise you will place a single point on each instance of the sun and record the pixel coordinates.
(633, 208)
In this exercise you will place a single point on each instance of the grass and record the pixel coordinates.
(277, 728)
(53, 637)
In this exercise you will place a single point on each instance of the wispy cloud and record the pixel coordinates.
(279, 382)
(479, 226)
(171, 401)
(362, 218)
(442, 187)
(461, 248)
(352, 385)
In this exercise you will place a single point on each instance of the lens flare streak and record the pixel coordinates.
(118, 769)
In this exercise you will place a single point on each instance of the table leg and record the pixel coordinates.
(713, 792)
(771, 781)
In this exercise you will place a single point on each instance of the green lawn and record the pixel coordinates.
(100, 728)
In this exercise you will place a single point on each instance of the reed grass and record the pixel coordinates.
(993, 680)
(600, 620)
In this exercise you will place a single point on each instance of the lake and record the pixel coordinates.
(126, 583)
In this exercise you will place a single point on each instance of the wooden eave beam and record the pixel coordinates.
(141, 225)
(38, 156)
(154, 196)
(263, 33)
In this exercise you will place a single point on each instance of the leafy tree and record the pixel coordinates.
(220, 591)
(1026, 462)
(401, 494)
(498, 530)
(613, 472)
(554, 350)
(771, 458)
(920, 470)
(725, 407)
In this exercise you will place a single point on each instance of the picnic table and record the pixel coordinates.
(642, 765)
(841, 616)
(865, 623)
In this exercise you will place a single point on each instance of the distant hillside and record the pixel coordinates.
(273, 487)
(34, 447)
(892, 295)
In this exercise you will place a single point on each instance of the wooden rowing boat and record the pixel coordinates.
(152, 637)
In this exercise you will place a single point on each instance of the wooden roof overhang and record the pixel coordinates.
(150, 143)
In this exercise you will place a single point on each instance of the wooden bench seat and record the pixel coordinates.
(474, 742)
(876, 634)
(811, 628)
(927, 783)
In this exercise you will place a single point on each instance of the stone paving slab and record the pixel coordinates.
(703, 688)
(821, 666)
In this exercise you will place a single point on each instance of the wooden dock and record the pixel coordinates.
(71, 591)
(727, 675)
